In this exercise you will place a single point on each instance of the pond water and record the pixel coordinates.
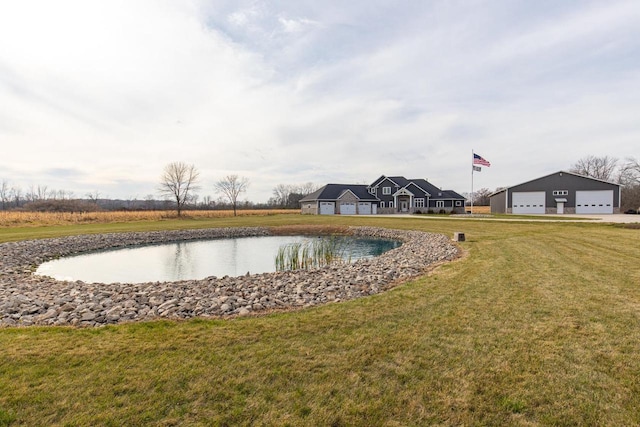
(191, 260)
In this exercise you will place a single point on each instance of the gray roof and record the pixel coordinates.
(334, 191)
(554, 173)
(419, 187)
(434, 192)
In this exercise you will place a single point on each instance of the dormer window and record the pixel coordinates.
(386, 191)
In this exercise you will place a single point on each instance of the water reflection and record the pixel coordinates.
(179, 261)
(189, 260)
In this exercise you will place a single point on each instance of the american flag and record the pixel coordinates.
(479, 160)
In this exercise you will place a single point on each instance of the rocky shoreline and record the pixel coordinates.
(27, 299)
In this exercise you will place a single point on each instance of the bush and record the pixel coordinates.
(61, 206)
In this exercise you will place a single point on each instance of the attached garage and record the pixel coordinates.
(347, 208)
(364, 208)
(531, 202)
(327, 208)
(345, 199)
(594, 202)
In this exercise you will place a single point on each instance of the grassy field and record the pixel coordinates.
(539, 324)
(39, 219)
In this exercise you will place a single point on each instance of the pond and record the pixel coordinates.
(195, 259)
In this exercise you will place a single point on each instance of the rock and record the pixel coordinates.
(50, 314)
(26, 299)
(88, 316)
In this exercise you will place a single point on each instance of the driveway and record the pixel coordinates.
(616, 218)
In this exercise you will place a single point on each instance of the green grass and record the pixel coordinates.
(537, 325)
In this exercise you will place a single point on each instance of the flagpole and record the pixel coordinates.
(471, 195)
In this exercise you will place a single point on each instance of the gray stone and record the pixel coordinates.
(26, 299)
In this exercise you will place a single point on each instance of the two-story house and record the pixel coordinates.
(398, 194)
(385, 195)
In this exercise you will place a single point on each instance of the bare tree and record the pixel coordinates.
(481, 197)
(281, 194)
(178, 181)
(596, 167)
(231, 187)
(288, 196)
(207, 201)
(64, 194)
(5, 193)
(629, 177)
(41, 192)
(308, 188)
(629, 172)
(94, 196)
(16, 195)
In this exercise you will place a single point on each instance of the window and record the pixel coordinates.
(458, 202)
(382, 204)
(419, 203)
(390, 204)
(386, 191)
(373, 190)
(560, 192)
(439, 203)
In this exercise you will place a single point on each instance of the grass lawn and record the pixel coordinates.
(539, 324)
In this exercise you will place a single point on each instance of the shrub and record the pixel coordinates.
(61, 206)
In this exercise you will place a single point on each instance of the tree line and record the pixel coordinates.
(177, 189)
(180, 181)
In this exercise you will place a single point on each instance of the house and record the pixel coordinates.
(398, 194)
(385, 195)
(558, 193)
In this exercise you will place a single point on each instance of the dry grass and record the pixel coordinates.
(38, 219)
(537, 325)
(483, 210)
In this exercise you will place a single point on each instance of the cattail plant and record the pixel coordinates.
(311, 254)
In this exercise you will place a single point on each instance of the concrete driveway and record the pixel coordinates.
(617, 218)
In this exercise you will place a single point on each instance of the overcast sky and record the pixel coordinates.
(101, 95)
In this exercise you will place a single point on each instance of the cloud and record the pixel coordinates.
(288, 92)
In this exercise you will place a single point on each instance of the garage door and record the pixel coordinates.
(347, 208)
(364, 208)
(594, 202)
(531, 202)
(327, 208)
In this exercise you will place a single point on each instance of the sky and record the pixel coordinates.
(99, 96)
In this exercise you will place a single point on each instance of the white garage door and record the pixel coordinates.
(594, 202)
(531, 202)
(364, 208)
(327, 208)
(347, 208)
